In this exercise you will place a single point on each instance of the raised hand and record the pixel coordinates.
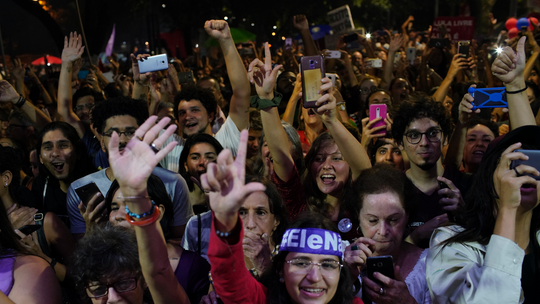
(18, 70)
(510, 64)
(218, 29)
(93, 213)
(226, 182)
(506, 181)
(396, 43)
(300, 22)
(326, 103)
(7, 92)
(141, 79)
(263, 75)
(458, 63)
(133, 165)
(466, 107)
(369, 132)
(73, 48)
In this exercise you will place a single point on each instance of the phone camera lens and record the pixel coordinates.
(311, 62)
(162, 61)
(379, 264)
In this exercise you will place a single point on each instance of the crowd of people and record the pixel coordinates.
(129, 187)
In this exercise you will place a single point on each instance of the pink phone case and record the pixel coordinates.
(378, 110)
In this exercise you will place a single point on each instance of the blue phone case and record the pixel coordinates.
(488, 98)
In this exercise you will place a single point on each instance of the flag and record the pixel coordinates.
(110, 44)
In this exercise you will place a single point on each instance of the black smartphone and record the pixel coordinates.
(350, 38)
(29, 229)
(489, 98)
(383, 264)
(438, 43)
(87, 191)
(184, 77)
(312, 73)
(533, 161)
(463, 48)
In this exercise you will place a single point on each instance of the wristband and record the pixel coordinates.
(261, 104)
(518, 91)
(139, 216)
(20, 102)
(149, 220)
(130, 198)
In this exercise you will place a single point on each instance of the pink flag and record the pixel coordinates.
(110, 44)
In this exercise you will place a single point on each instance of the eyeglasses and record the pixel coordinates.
(415, 137)
(368, 90)
(303, 266)
(101, 290)
(128, 134)
(89, 106)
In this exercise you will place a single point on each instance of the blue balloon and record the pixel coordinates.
(522, 22)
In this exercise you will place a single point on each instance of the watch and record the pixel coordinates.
(342, 105)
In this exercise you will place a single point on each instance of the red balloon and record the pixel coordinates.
(511, 23)
(532, 20)
(513, 32)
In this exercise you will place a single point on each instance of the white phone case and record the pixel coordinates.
(153, 64)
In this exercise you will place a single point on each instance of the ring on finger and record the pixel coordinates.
(517, 173)
(154, 148)
(139, 138)
(382, 291)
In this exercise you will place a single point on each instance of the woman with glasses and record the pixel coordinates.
(309, 266)
(383, 218)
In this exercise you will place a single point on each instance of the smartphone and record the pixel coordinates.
(376, 111)
(489, 98)
(333, 54)
(397, 57)
(382, 264)
(184, 77)
(154, 64)
(333, 77)
(312, 72)
(463, 48)
(83, 74)
(87, 191)
(350, 38)
(533, 161)
(374, 63)
(411, 54)
(29, 229)
(438, 43)
(288, 43)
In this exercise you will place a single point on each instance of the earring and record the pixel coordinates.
(281, 280)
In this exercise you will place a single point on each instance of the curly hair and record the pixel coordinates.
(87, 91)
(119, 106)
(271, 277)
(419, 106)
(104, 252)
(192, 92)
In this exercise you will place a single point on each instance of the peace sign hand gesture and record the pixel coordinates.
(263, 75)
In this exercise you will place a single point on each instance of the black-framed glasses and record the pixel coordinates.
(128, 134)
(101, 290)
(433, 135)
(89, 106)
(304, 266)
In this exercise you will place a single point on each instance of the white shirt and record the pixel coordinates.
(228, 136)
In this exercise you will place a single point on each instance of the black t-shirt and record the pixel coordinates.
(427, 206)
(49, 197)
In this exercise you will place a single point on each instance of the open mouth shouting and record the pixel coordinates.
(58, 166)
(191, 125)
(328, 178)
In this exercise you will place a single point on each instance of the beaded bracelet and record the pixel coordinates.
(147, 221)
(139, 216)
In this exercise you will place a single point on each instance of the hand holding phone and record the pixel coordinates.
(378, 111)
(153, 64)
(381, 264)
(533, 161)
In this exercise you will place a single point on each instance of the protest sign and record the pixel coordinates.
(459, 28)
